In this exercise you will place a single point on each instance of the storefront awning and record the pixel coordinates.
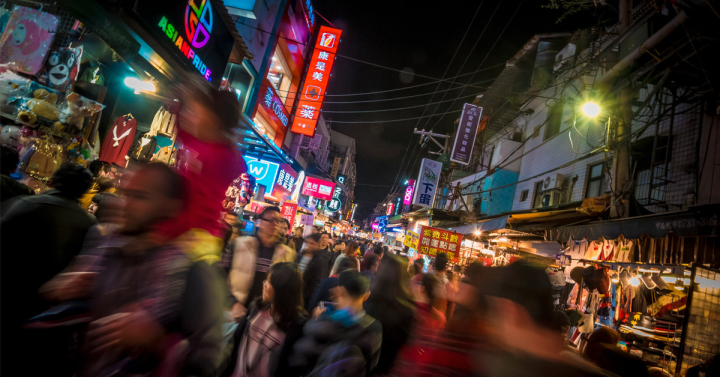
(484, 226)
(696, 221)
(252, 142)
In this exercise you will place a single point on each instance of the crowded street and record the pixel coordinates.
(318, 188)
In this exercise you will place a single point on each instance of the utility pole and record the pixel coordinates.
(623, 125)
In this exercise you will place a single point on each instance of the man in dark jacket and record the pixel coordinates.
(10, 187)
(313, 263)
(40, 236)
(341, 342)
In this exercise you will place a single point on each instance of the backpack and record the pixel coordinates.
(344, 358)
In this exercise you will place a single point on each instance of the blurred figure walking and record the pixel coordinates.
(313, 263)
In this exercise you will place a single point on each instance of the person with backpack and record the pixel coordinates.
(342, 340)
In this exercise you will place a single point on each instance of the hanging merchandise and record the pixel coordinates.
(10, 136)
(118, 140)
(608, 251)
(41, 108)
(143, 149)
(27, 39)
(163, 122)
(624, 250)
(61, 68)
(93, 74)
(4, 17)
(239, 194)
(46, 157)
(594, 250)
(166, 155)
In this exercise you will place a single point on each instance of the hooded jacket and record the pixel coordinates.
(242, 271)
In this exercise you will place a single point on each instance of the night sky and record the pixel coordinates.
(420, 36)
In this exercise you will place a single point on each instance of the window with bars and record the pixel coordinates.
(651, 186)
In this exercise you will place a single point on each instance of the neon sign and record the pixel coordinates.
(313, 93)
(198, 22)
(184, 47)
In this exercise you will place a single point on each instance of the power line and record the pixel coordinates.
(391, 120)
(393, 109)
(487, 24)
(447, 69)
(486, 55)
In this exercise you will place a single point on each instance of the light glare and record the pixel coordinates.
(591, 109)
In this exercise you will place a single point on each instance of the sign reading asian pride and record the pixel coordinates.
(435, 240)
(412, 239)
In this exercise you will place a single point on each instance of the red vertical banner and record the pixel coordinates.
(435, 240)
(288, 212)
(313, 92)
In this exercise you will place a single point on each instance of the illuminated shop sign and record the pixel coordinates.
(310, 17)
(407, 200)
(335, 203)
(264, 172)
(313, 92)
(285, 182)
(272, 104)
(318, 188)
(196, 31)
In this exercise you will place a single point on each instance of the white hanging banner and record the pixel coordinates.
(427, 182)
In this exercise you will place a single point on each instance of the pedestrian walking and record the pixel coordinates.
(252, 257)
(349, 252)
(313, 263)
(323, 293)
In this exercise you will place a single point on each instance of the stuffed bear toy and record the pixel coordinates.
(61, 68)
(42, 105)
(77, 108)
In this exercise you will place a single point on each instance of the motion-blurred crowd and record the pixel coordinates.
(136, 275)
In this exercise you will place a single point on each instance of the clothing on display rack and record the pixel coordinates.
(624, 250)
(164, 122)
(143, 149)
(93, 74)
(608, 251)
(166, 155)
(118, 140)
(594, 250)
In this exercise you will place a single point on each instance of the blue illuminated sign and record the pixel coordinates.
(264, 172)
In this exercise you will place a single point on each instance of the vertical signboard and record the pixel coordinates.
(382, 223)
(313, 91)
(465, 137)
(335, 167)
(407, 200)
(285, 182)
(288, 212)
(436, 240)
(427, 183)
(390, 209)
(335, 204)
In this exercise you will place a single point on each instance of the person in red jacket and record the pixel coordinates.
(209, 161)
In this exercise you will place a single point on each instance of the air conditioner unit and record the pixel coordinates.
(564, 57)
(553, 181)
(551, 198)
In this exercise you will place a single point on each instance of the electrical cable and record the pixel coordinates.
(380, 110)
(447, 69)
(487, 24)
(486, 56)
(389, 120)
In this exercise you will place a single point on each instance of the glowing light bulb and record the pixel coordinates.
(477, 232)
(634, 281)
(591, 109)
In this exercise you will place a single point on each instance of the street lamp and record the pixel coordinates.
(591, 109)
(477, 232)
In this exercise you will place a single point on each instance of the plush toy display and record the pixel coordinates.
(27, 39)
(27, 136)
(11, 85)
(11, 136)
(76, 108)
(42, 105)
(61, 68)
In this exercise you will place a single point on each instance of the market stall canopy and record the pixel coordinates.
(695, 221)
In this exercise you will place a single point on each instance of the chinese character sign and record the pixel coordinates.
(335, 167)
(318, 188)
(288, 212)
(390, 209)
(285, 181)
(335, 204)
(382, 223)
(407, 200)
(465, 137)
(433, 241)
(313, 91)
(412, 239)
(427, 182)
